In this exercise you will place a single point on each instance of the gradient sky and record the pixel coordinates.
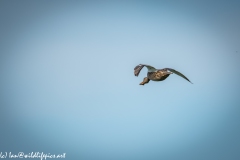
(67, 82)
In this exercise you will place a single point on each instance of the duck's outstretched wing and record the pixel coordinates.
(178, 73)
(139, 67)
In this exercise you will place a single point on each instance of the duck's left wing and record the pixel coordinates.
(178, 73)
(139, 67)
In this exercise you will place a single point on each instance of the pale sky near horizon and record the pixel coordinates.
(67, 82)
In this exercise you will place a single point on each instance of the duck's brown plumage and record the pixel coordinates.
(156, 74)
(159, 75)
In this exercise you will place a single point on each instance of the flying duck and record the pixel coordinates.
(156, 74)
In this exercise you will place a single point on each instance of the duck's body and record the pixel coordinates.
(156, 74)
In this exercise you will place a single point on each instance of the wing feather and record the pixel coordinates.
(178, 73)
(139, 67)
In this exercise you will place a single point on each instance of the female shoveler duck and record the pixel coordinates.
(156, 74)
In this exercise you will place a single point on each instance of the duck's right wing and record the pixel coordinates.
(178, 73)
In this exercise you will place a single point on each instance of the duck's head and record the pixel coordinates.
(145, 80)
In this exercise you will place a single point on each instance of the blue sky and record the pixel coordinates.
(67, 82)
